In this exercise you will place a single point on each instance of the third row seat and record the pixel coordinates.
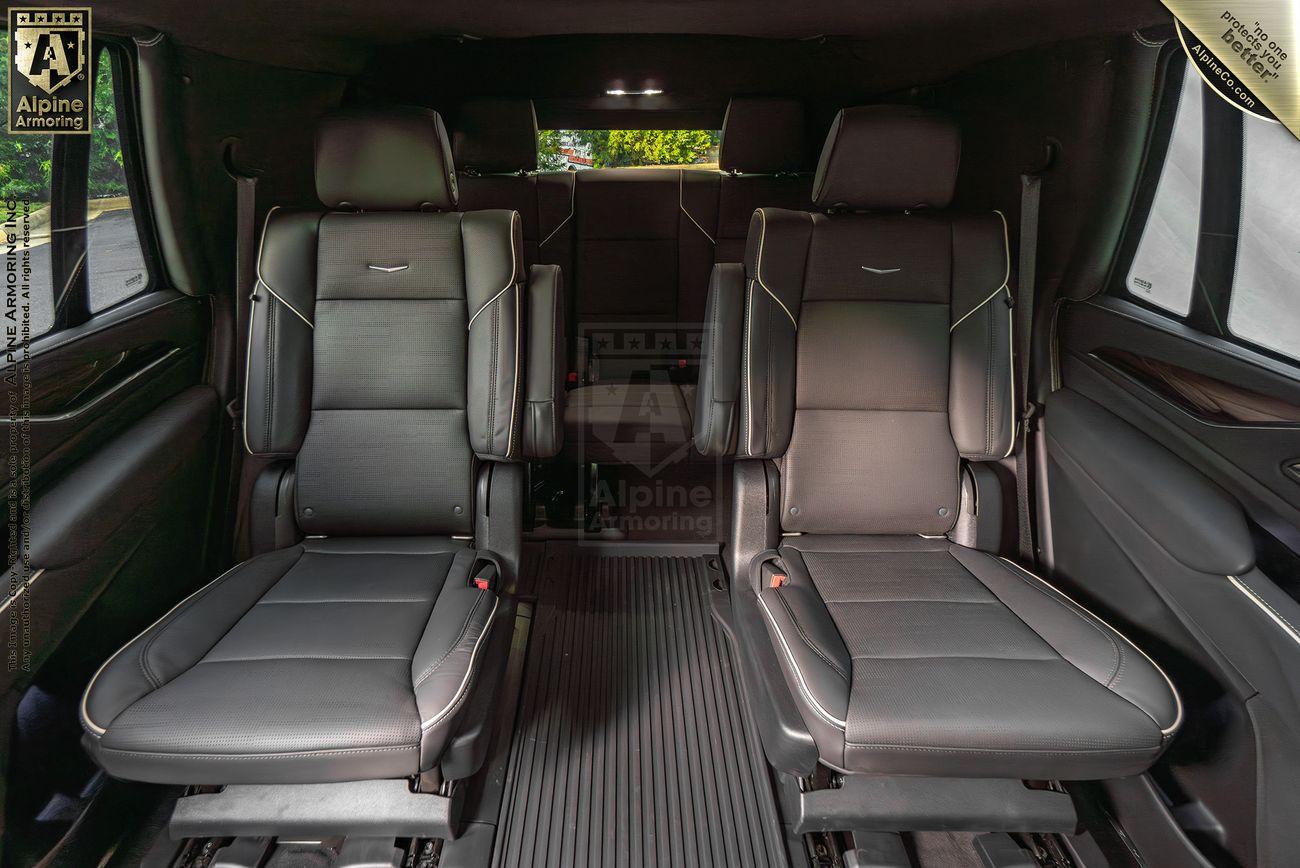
(636, 246)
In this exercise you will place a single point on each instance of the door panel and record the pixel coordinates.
(1180, 523)
(89, 381)
(124, 434)
(1248, 459)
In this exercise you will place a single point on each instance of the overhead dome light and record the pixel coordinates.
(618, 91)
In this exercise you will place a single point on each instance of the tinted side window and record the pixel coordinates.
(115, 265)
(25, 166)
(1163, 267)
(1265, 302)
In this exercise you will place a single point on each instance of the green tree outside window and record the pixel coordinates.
(623, 148)
(25, 160)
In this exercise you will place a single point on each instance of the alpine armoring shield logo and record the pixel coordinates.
(49, 74)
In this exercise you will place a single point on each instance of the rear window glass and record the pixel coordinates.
(613, 149)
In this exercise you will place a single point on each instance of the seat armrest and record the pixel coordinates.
(543, 428)
(718, 397)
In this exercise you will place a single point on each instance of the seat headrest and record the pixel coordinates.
(888, 158)
(762, 135)
(495, 135)
(392, 159)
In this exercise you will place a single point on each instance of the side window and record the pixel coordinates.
(1265, 302)
(115, 266)
(1163, 267)
(1240, 280)
(25, 167)
(35, 171)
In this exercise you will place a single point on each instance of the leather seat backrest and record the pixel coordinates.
(628, 230)
(646, 239)
(763, 158)
(384, 347)
(877, 347)
(494, 145)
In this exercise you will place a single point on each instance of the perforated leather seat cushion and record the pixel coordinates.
(331, 660)
(874, 358)
(922, 657)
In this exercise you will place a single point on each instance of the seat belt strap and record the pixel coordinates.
(245, 284)
(245, 279)
(1030, 193)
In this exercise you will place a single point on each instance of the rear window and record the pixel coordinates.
(614, 149)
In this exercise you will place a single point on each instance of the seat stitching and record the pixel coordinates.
(515, 432)
(1256, 596)
(270, 375)
(267, 657)
(1128, 751)
(495, 338)
(1119, 653)
(803, 686)
(283, 755)
(807, 641)
(160, 625)
(463, 690)
(1173, 691)
(713, 370)
(307, 547)
(1054, 659)
(454, 645)
(878, 600)
(279, 579)
(450, 709)
(156, 682)
(144, 666)
(1090, 619)
(555, 332)
(280, 299)
(768, 419)
(347, 600)
(988, 391)
(745, 384)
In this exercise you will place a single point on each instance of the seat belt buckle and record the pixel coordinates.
(486, 577)
(774, 575)
(235, 410)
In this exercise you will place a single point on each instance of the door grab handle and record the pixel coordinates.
(98, 399)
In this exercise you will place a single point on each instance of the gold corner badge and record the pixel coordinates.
(49, 73)
(1245, 51)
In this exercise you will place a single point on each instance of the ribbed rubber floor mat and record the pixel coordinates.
(633, 747)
